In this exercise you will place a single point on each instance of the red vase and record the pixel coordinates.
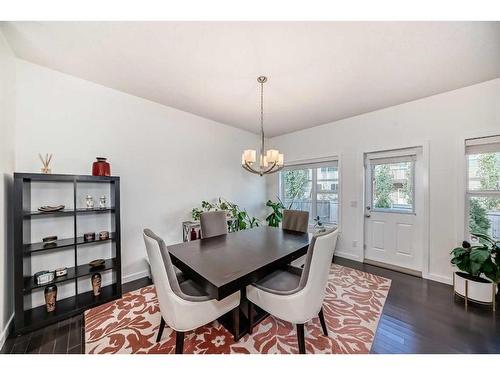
(101, 167)
(193, 236)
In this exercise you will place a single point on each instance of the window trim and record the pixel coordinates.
(476, 146)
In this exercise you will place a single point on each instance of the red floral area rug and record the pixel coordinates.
(352, 308)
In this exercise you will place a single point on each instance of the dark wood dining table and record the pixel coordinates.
(225, 264)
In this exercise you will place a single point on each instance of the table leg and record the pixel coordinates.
(237, 322)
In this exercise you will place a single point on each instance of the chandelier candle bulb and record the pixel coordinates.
(263, 161)
(281, 160)
(249, 156)
(272, 156)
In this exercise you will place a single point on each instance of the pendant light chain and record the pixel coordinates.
(262, 117)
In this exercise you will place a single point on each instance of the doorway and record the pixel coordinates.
(394, 210)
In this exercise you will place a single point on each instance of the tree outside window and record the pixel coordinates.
(484, 211)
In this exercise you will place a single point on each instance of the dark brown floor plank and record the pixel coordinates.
(49, 339)
(61, 346)
(7, 347)
(21, 344)
(75, 332)
(76, 350)
(35, 343)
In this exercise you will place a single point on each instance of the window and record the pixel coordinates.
(392, 184)
(313, 188)
(483, 186)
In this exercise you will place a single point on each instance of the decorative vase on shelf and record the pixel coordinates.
(89, 202)
(50, 297)
(101, 167)
(194, 235)
(96, 284)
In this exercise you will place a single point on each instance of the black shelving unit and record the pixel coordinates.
(28, 319)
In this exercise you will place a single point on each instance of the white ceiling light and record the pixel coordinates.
(270, 161)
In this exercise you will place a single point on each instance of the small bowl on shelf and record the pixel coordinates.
(88, 237)
(97, 263)
(49, 241)
(63, 271)
(51, 208)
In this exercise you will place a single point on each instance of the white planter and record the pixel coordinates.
(475, 290)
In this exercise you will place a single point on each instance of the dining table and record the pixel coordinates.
(225, 264)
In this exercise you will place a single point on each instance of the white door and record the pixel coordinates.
(394, 208)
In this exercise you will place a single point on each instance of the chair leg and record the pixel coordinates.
(160, 331)
(300, 339)
(179, 342)
(322, 320)
(250, 317)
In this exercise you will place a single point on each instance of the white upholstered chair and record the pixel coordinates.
(183, 306)
(296, 295)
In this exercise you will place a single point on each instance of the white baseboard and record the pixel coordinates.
(135, 276)
(346, 255)
(439, 278)
(5, 332)
(429, 276)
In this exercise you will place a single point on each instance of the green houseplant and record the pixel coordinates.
(481, 259)
(243, 219)
(474, 262)
(275, 217)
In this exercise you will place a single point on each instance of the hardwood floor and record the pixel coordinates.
(420, 316)
(423, 316)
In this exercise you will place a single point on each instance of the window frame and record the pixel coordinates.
(495, 141)
(313, 165)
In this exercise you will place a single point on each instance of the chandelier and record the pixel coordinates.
(270, 161)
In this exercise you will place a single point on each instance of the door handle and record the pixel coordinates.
(368, 210)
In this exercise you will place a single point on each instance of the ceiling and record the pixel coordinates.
(318, 71)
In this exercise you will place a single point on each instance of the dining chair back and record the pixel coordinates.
(314, 276)
(295, 220)
(296, 295)
(213, 223)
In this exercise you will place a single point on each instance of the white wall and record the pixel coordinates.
(168, 160)
(7, 119)
(440, 122)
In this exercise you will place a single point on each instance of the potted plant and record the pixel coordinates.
(242, 219)
(275, 217)
(479, 267)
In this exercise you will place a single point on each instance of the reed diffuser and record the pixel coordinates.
(45, 162)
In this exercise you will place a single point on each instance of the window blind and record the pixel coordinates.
(482, 145)
(322, 164)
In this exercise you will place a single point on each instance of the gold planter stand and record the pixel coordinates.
(466, 297)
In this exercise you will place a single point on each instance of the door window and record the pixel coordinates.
(392, 185)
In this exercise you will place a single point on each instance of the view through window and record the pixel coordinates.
(392, 185)
(483, 186)
(312, 188)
